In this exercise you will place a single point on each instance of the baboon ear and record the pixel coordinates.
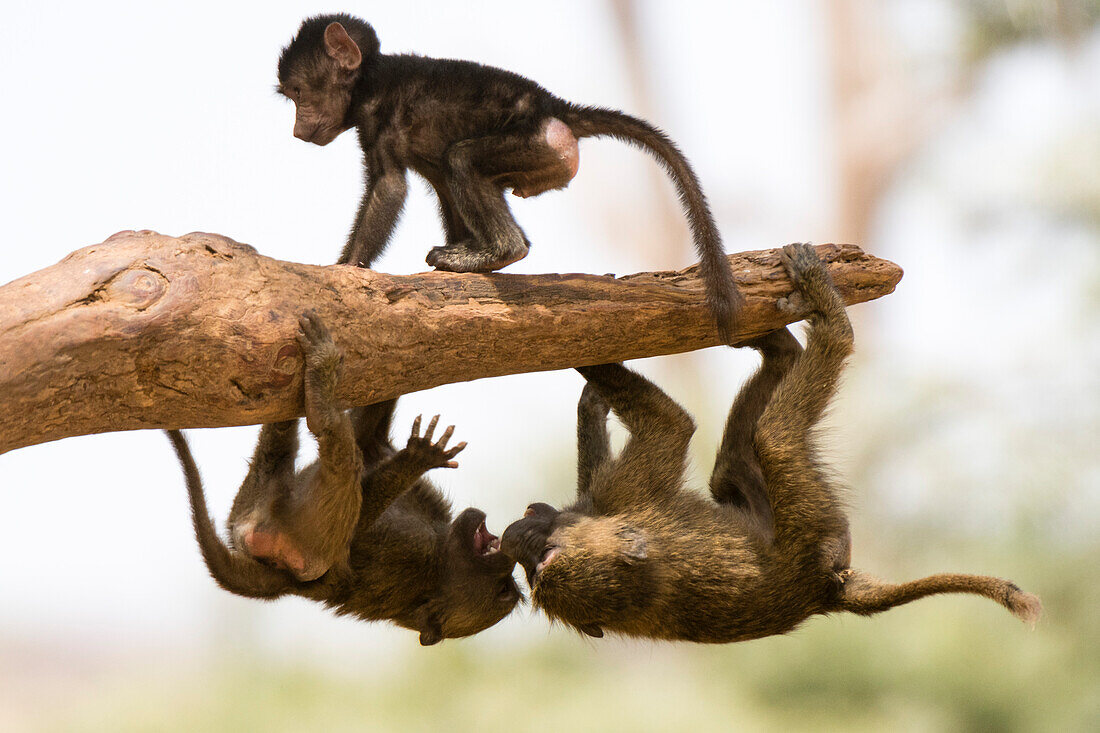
(592, 630)
(431, 628)
(340, 47)
(634, 545)
(431, 633)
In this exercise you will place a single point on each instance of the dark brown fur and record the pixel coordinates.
(359, 530)
(471, 131)
(638, 555)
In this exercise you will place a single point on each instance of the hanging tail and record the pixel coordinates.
(866, 595)
(233, 572)
(723, 298)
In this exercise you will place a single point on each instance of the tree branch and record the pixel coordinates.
(149, 331)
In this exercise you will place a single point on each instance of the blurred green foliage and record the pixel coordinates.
(948, 663)
(994, 24)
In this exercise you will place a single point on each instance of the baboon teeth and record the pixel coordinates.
(485, 542)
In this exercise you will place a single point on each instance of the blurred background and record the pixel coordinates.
(959, 139)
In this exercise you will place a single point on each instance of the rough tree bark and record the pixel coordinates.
(149, 331)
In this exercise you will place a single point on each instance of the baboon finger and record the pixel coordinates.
(308, 323)
(431, 429)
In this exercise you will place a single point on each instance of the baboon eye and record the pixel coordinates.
(505, 589)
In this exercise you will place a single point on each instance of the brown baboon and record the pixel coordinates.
(472, 131)
(637, 555)
(360, 529)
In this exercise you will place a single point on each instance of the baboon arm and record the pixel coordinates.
(388, 480)
(651, 465)
(379, 210)
(593, 445)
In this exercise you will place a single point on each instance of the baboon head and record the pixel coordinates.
(476, 590)
(318, 70)
(583, 571)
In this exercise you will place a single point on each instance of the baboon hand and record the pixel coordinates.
(323, 363)
(793, 305)
(810, 278)
(320, 351)
(800, 259)
(432, 455)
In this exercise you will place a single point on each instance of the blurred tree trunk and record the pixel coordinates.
(880, 117)
(664, 220)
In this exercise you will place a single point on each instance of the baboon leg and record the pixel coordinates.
(234, 571)
(495, 238)
(593, 445)
(800, 497)
(531, 164)
(321, 512)
(482, 234)
(272, 465)
(277, 448)
(454, 228)
(737, 478)
(652, 462)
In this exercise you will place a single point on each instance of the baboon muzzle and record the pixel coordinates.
(525, 539)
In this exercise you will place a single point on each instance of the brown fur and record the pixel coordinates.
(472, 131)
(359, 530)
(638, 555)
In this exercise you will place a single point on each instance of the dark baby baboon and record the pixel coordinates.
(360, 529)
(638, 555)
(471, 131)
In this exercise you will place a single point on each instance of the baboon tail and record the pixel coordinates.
(233, 572)
(723, 298)
(866, 595)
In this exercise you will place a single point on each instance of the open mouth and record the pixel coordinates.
(485, 542)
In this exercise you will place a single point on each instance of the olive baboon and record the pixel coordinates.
(472, 131)
(637, 555)
(359, 530)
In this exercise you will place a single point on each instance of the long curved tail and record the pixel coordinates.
(866, 595)
(233, 572)
(723, 298)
